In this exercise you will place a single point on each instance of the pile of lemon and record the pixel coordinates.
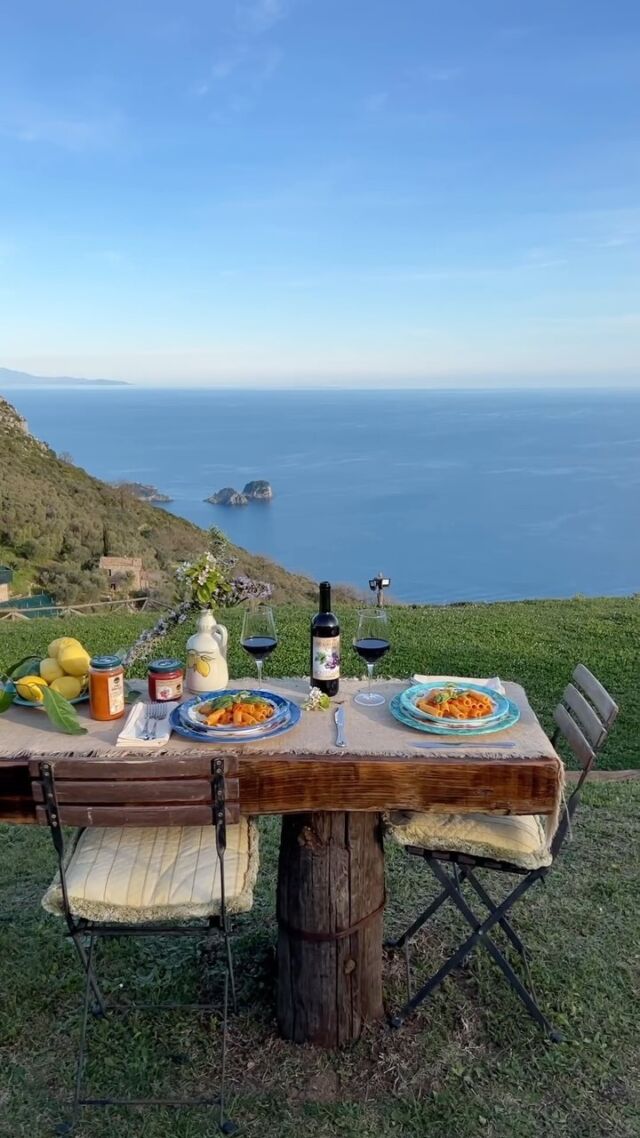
(64, 670)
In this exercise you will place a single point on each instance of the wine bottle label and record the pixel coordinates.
(326, 658)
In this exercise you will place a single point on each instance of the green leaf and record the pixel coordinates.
(7, 696)
(203, 594)
(25, 667)
(61, 713)
(222, 702)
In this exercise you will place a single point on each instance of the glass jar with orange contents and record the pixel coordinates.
(106, 688)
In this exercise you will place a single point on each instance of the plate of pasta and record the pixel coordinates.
(450, 726)
(463, 706)
(234, 716)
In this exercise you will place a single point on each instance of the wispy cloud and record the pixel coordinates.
(225, 65)
(257, 16)
(543, 257)
(375, 102)
(405, 99)
(248, 59)
(440, 74)
(69, 132)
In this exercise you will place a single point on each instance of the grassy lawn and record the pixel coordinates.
(537, 643)
(471, 1063)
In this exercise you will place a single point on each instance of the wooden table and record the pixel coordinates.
(331, 866)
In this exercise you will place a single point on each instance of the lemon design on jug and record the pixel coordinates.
(207, 656)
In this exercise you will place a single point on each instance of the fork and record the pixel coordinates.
(153, 712)
(157, 713)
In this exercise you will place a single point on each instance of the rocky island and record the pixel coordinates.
(143, 492)
(258, 491)
(227, 497)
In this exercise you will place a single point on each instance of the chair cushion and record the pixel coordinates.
(515, 838)
(138, 874)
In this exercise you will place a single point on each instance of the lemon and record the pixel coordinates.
(30, 687)
(67, 686)
(57, 646)
(74, 659)
(50, 670)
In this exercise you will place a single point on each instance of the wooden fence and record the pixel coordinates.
(91, 608)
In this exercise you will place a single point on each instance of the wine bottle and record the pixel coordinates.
(325, 645)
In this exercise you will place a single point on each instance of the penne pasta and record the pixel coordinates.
(447, 704)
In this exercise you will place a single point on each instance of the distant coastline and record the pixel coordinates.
(8, 378)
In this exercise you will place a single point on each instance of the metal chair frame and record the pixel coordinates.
(585, 727)
(85, 934)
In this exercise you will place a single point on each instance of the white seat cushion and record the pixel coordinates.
(137, 873)
(515, 838)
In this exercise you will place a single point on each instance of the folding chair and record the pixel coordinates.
(511, 844)
(161, 850)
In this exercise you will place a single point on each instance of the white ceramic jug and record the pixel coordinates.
(207, 656)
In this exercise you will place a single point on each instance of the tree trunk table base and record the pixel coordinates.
(330, 913)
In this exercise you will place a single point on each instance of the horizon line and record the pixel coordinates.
(156, 385)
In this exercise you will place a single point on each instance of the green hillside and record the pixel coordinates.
(56, 521)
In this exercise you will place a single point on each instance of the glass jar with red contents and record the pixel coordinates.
(166, 680)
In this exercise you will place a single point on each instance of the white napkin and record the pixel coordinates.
(131, 734)
(493, 682)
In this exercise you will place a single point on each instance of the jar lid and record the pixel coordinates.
(165, 666)
(105, 662)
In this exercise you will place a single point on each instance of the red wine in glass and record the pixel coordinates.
(259, 636)
(259, 646)
(371, 648)
(371, 641)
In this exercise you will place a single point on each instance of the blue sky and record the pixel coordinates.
(341, 191)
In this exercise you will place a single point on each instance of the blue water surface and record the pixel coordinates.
(455, 495)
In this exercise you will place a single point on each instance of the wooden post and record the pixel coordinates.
(330, 912)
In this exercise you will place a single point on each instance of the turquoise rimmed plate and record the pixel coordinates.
(409, 697)
(424, 725)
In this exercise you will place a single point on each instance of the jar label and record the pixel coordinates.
(325, 655)
(116, 694)
(167, 690)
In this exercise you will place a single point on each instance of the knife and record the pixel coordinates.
(339, 718)
(466, 746)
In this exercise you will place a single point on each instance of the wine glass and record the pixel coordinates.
(371, 641)
(259, 636)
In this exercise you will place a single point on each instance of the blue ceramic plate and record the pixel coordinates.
(197, 735)
(227, 734)
(410, 695)
(512, 716)
(190, 718)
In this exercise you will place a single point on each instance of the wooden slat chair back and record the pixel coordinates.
(153, 791)
(583, 719)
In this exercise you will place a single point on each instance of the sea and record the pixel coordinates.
(454, 495)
